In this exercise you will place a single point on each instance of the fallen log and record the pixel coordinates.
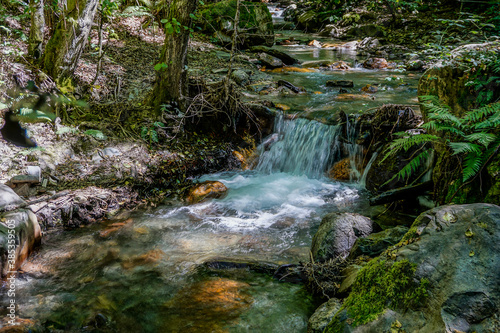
(401, 193)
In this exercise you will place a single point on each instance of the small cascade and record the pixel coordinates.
(355, 151)
(362, 182)
(302, 147)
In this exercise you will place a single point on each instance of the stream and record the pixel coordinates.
(147, 272)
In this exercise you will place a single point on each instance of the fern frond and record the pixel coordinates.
(472, 165)
(406, 143)
(445, 116)
(464, 147)
(412, 166)
(480, 114)
(482, 138)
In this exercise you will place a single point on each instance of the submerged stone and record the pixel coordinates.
(205, 190)
(340, 83)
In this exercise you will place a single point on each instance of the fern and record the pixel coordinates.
(482, 138)
(464, 147)
(408, 142)
(474, 136)
(472, 165)
(412, 166)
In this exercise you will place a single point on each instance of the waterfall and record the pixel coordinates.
(302, 147)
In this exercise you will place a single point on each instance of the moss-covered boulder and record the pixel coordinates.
(255, 22)
(442, 277)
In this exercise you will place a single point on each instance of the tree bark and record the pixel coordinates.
(37, 29)
(171, 83)
(70, 36)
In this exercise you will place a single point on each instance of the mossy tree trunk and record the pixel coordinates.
(171, 82)
(70, 36)
(35, 48)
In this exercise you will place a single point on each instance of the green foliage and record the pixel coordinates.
(214, 16)
(96, 134)
(150, 134)
(473, 137)
(381, 285)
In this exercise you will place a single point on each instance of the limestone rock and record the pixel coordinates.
(205, 190)
(337, 233)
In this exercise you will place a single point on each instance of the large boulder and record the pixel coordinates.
(20, 232)
(454, 252)
(255, 24)
(337, 233)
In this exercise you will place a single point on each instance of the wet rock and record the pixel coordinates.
(341, 170)
(206, 190)
(283, 83)
(286, 58)
(370, 89)
(375, 243)
(415, 65)
(323, 315)
(337, 233)
(269, 61)
(375, 63)
(314, 43)
(240, 77)
(368, 43)
(340, 83)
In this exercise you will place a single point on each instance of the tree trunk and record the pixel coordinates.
(35, 48)
(171, 82)
(66, 44)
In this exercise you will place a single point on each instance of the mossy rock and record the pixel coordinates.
(380, 285)
(255, 22)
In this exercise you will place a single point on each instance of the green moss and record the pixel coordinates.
(378, 286)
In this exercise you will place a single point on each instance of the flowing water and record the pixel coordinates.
(149, 272)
